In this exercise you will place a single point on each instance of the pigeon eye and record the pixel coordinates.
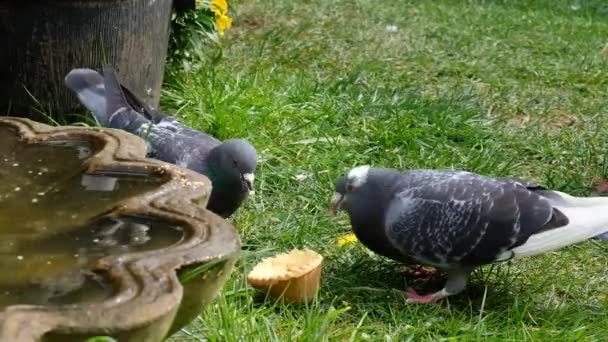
(349, 187)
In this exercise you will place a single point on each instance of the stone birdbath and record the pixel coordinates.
(96, 240)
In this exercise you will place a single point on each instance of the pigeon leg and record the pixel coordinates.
(457, 281)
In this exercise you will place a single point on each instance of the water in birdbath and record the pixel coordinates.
(52, 222)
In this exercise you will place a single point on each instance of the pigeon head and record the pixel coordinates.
(237, 161)
(365, 194)
(362, 188)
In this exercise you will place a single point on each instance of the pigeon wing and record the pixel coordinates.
(464, 218)
(174, 142)
(119, 112)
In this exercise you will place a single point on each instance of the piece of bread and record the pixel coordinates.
(294, 276)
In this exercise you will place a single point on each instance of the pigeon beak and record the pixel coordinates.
(336, 203)
(249, 178)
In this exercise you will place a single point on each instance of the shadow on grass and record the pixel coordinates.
(371, 279)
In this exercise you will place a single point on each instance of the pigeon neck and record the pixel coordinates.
(368, 225)
(220, 178)
(226, 193)
(369, 229)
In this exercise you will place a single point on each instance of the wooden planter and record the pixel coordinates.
(42, 40)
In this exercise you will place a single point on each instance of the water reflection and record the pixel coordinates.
(98, 183)
(52, 229)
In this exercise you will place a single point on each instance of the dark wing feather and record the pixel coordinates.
(119, 113)
(448, 218)
(140, 106)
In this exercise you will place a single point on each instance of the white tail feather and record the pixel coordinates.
(588, 218)
(572, 201)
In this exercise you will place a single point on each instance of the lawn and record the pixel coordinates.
(504, 88)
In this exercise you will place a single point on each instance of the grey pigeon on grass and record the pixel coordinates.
(456, 221)
(230, 165)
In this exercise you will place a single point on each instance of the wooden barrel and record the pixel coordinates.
(42, 40)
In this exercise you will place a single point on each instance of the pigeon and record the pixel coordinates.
(230, 165)
(456, 221)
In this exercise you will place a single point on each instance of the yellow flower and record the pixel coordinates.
(346, 240)
(222, 5)
(222, 20)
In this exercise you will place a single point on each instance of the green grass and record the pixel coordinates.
(505, 88)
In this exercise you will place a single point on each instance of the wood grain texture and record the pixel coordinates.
(42, 40)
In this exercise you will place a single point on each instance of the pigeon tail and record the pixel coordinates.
(581, 202)
(88, 86)
(571, 201)
(119, 113)
(588, 218)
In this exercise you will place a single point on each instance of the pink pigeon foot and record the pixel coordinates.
(414, 298)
